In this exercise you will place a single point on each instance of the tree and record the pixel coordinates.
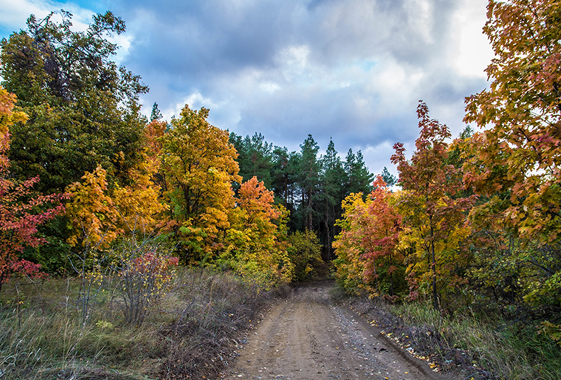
(358, 176)
(520, 113)
(514, 161)
(21, 210)
(99, 215)
(367, 245)
(156, 114)
(388, 178)
(380, 238)
(257, 236)
(432, 213)
(83, 110)
(332, 193)
(254, 157)
(285, 176)
(308, 180)
(199, 166)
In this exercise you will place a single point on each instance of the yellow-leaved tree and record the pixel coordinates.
(100, 215)
(199, 166)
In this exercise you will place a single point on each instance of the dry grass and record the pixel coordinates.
(190, 333)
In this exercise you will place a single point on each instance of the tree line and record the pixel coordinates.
(84, 170)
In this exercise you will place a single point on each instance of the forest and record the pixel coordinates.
(93, 189)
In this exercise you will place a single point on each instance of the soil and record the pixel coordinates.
(308, 336)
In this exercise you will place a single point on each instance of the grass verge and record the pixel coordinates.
(190, 333)
(467, 345)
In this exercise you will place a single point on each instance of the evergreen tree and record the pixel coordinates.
(359, 178)
(331, 195)
(388, 177)
(309, 179)
(156, 114)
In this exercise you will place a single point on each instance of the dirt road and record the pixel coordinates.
(308, 337)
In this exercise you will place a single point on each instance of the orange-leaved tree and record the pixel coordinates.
(515, 160)
(366, 246)
(100, 214)
(519, 148)
(257, 237)
(432, 208)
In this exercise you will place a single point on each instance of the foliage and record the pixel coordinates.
(330, 195)
(432, 210)
(21, 210)
(100, 215)
(257, 237)
(254, 157)
(308, 178)
(83, 110)
(514, 161)
(305, 254)
(198, 165)
(348, 244)
(366, 246)
(358, 177)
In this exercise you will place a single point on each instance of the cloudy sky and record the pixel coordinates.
(351, 70)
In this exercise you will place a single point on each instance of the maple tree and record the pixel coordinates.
(431, 206)
(367, 245)
(257, 236)
(381, 237)
(21, 210)
(348, 243)
(519, 146)
(199, 166)
(100, 215)
(514, 161)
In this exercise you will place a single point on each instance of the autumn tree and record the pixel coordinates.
(348, 243)
(199, 166)
(367, 245)
(515, 159)
(21, 209)
(99, 215)
(383, 262)
(257, 237)
(432, 212)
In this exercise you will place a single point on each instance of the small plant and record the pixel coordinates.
(147, 275)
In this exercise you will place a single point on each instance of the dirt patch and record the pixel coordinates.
(307, 336)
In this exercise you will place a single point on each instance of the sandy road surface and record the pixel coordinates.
(307, 337)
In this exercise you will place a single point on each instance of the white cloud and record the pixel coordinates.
(470, 48)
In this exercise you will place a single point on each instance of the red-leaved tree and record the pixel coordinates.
(21, 211)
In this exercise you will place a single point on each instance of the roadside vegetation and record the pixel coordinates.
(191, 331)
(476, 342)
